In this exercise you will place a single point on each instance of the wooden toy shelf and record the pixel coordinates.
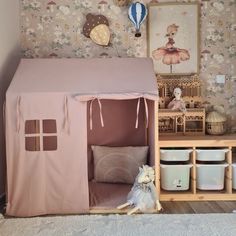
(193, 142)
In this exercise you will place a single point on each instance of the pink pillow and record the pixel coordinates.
(118, 164)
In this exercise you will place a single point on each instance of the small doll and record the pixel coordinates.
(143, 195)
(177, 103)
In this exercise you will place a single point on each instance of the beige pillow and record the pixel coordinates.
(118, 164)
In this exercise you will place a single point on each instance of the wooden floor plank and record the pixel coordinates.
(199, 207)
(228, 206)
(218, 207)
(170, 208)
(177, 208)
(202, 207)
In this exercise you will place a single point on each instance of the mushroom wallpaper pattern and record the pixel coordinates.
(53, 28)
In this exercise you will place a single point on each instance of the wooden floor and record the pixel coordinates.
(189, 207)
(199, 207)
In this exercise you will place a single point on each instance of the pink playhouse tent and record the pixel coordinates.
(55, 110)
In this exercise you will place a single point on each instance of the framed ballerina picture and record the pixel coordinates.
(173, 37)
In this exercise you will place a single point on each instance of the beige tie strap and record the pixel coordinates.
(91, 113)
(66, 123)
(18, 114)
(137, 112)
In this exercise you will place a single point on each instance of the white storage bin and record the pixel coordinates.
(175, 155)
(210, 176)
(211, 154)
(175, 177)
(234, 175)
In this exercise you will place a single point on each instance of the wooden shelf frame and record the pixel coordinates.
(194, 142)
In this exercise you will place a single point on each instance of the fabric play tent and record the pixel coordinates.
(51, 106)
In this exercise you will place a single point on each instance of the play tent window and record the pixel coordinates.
(40, 135)
(49, 126)
(32, 127)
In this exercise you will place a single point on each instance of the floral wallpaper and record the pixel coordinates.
(52, 28)
(218, 55)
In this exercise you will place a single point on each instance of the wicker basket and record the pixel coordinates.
(216, 128)
(215, 123)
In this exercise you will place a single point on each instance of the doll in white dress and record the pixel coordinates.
(177, 104)
(143, 195)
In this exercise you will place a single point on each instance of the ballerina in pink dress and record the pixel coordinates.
(171, 55)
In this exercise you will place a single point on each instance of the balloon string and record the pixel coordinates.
(116, 50)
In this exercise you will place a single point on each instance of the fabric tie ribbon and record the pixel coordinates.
(91, 113)
(18, 114)
(66, 123)
(137, 112)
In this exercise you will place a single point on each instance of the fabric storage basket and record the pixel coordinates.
(175, 177)
(234, 175)
(211, 154)
(175, 155)
(210, 176)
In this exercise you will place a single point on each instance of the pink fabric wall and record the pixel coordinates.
(119, 127)
(56, 182)
(47, 182)
(119, 124)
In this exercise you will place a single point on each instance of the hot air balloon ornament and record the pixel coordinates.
(96, 28)
(137, 14)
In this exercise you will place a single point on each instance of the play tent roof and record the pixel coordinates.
(133, 76)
